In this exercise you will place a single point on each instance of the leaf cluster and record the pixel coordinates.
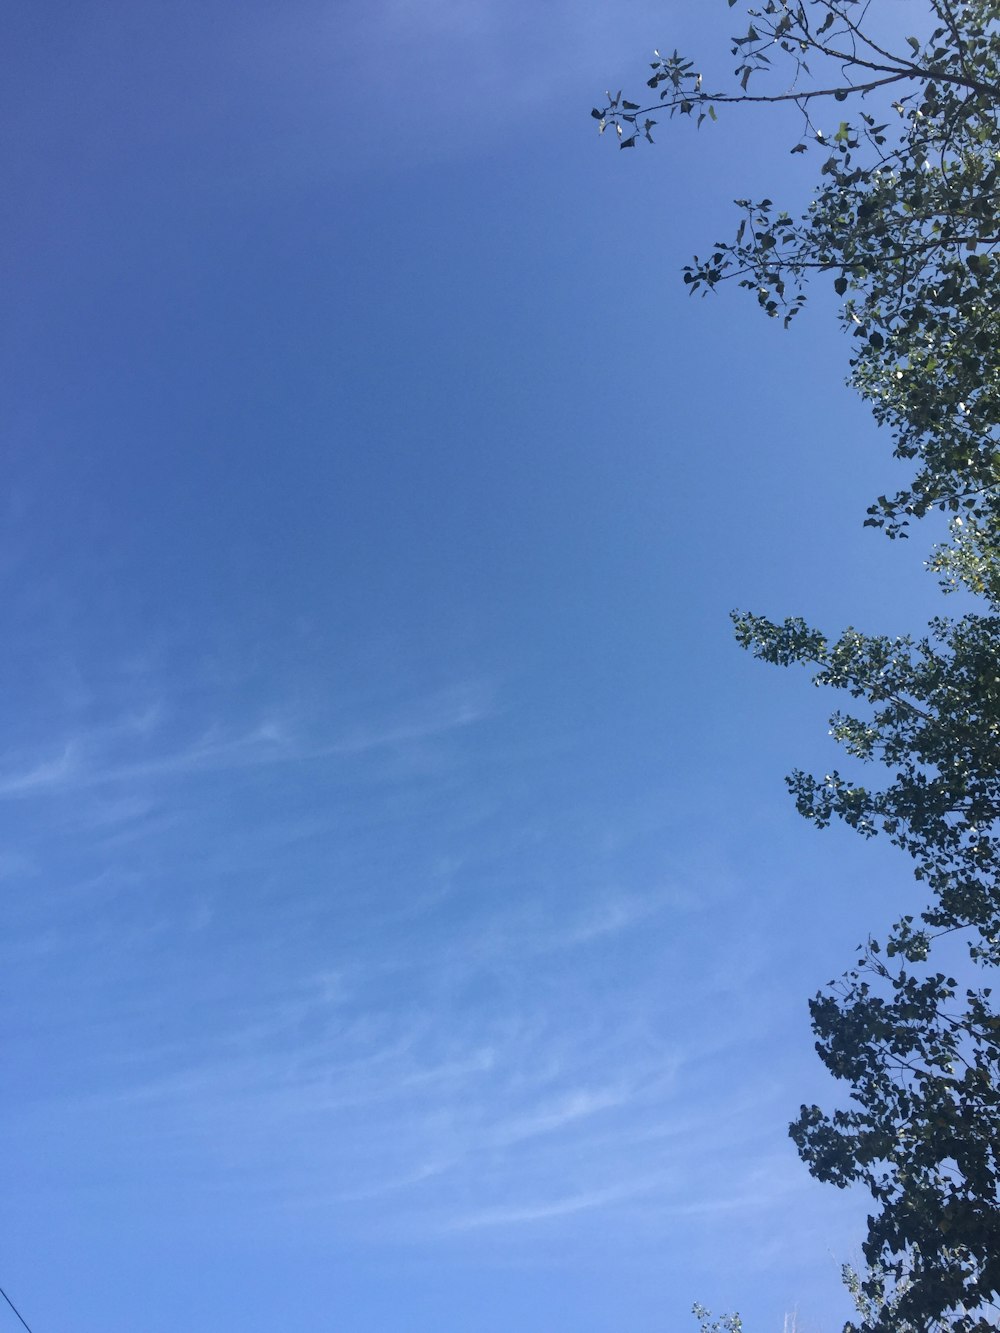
(922, 1060)
(904, 220)
(921, 1056)
(934, 721)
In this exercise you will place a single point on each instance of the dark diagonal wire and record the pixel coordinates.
(14, 1308)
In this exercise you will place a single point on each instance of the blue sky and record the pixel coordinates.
(404, 924)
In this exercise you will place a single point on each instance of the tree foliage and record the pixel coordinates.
(905, 219)
(934, 721)
(920, 1053)
(727, 1323)
(905, 223)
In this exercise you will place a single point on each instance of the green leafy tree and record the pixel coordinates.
(905, 218)
(934, 720)
(904, 221)
(727, 1323)
(869, 1306)
(920, 1054)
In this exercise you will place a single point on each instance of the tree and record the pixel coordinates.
(904, 219)
(921, 1055)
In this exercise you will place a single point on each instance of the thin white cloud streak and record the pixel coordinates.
(68, 766)
(81, 763)
(569, 1109)
(445, 710)
(612, 915)
(523, 933)
(42, 777)
(545, 1210)
(394, 1185)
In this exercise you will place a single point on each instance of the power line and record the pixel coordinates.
(14, 1308)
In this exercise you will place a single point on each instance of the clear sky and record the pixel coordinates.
(404, 924)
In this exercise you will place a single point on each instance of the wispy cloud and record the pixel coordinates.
(568, 1109)
(96, 756)
(42, 776)
(454, 1040)
(442, 713)
(542, 1210)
